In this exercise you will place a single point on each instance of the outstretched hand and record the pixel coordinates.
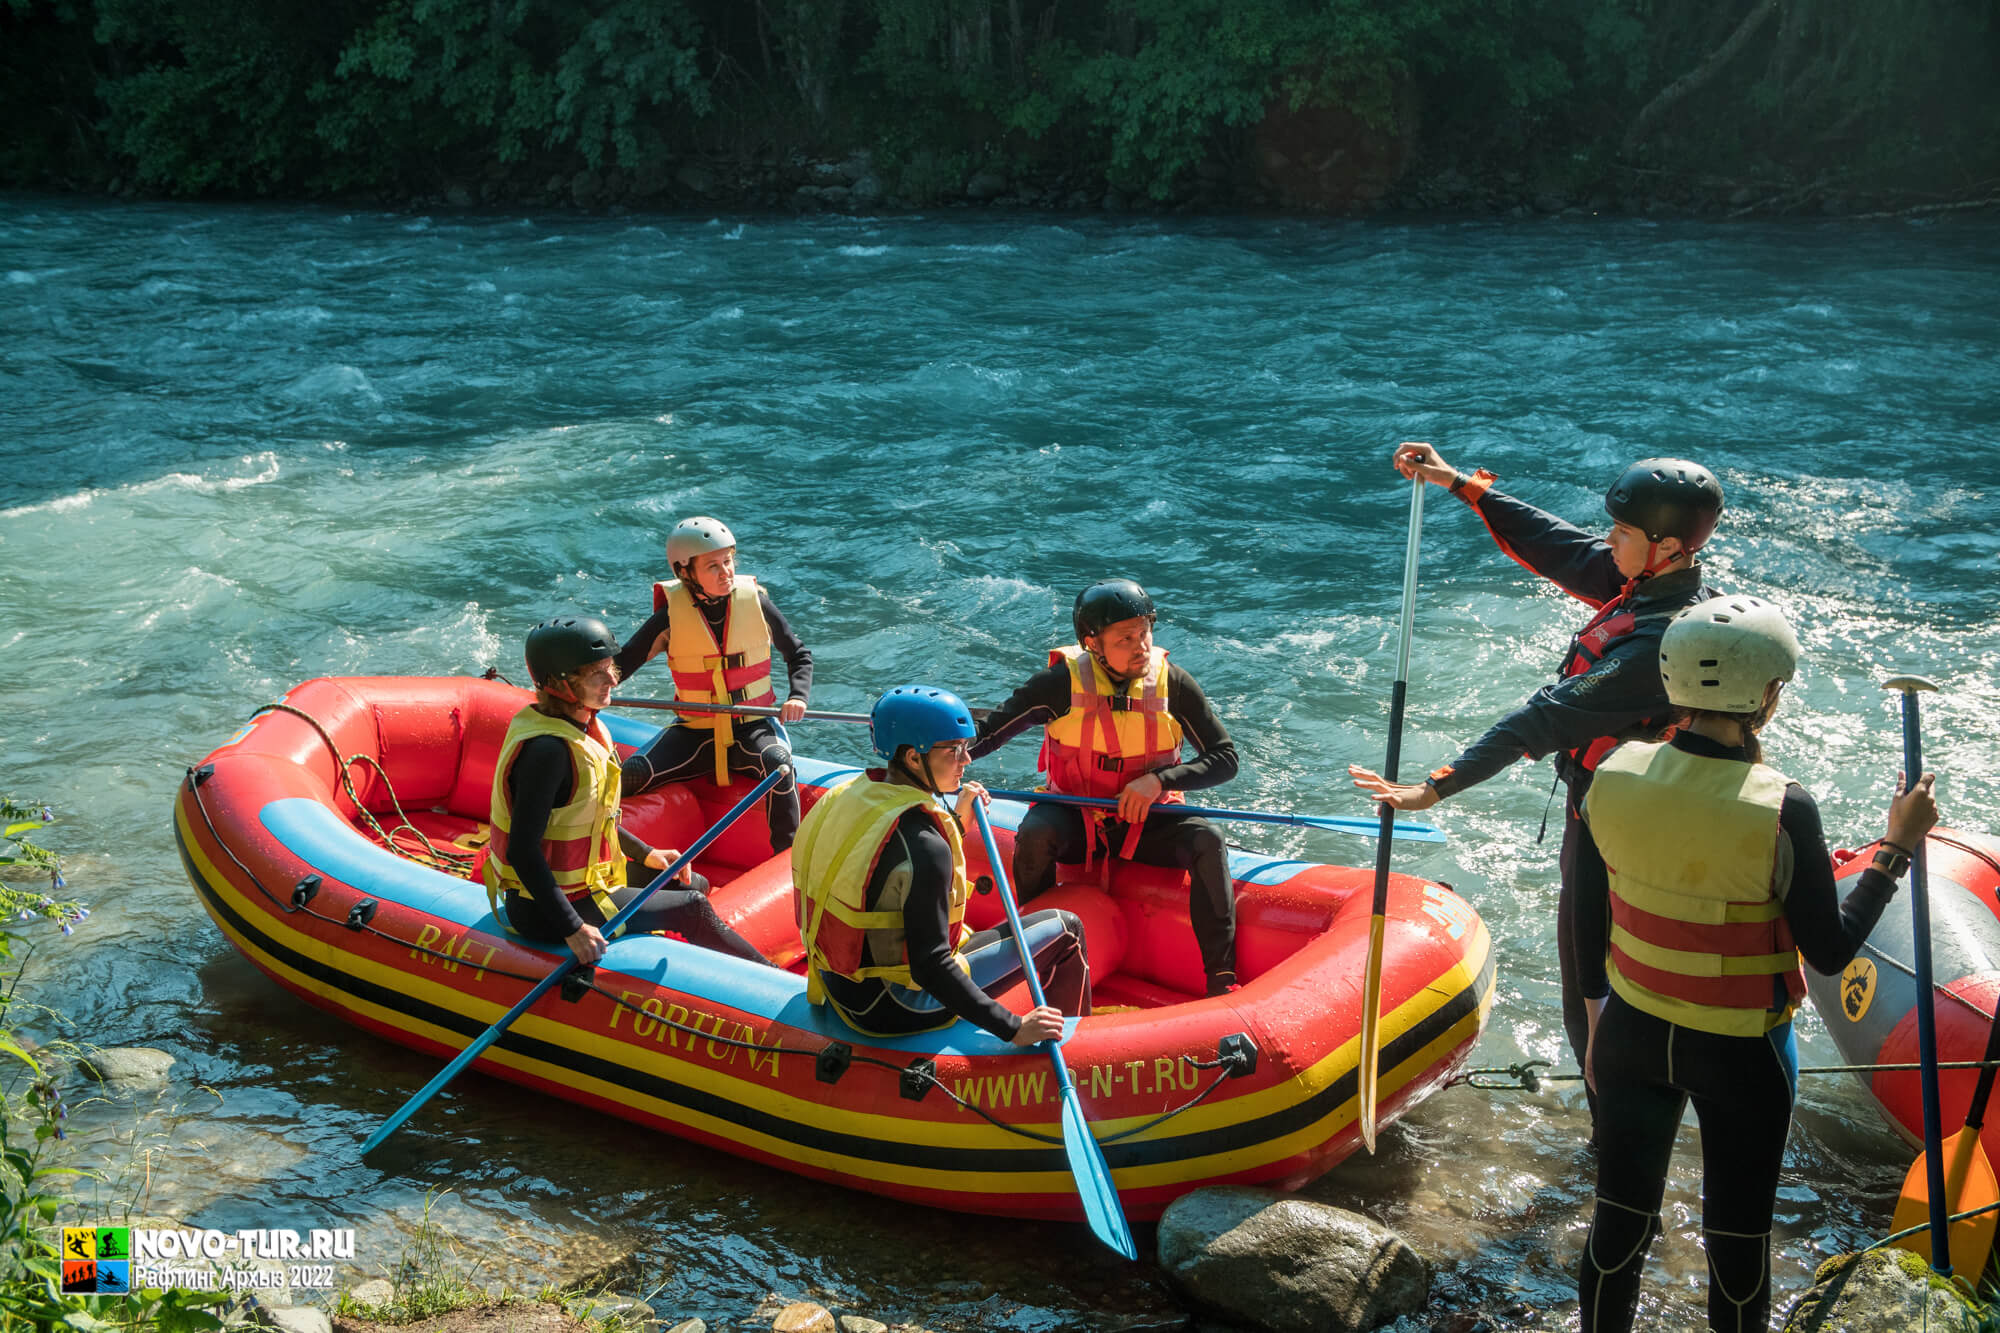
(1402, 796)
(1414, 460)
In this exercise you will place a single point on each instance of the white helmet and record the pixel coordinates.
(1722, 654)
(696, 536)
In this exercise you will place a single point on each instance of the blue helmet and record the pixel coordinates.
(918, 716)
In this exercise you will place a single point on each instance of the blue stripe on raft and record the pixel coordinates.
(329, 844)
(1246, 868)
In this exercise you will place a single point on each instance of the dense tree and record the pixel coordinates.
(305, 96)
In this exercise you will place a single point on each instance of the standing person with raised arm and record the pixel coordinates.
(1114, 715)
(1635, 578)
(717, 630)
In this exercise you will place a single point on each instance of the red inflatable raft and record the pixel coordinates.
(1870, 1008)
(1257, 1086)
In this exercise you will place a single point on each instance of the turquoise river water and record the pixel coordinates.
(247, 446)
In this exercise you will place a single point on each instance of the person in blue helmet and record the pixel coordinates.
(878, 875)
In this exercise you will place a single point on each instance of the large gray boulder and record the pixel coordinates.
(1268, 1260)
(1877, 1290)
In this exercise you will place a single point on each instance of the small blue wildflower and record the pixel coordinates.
(47, 814)
(82, 912)
(61, 883)
(66, 929)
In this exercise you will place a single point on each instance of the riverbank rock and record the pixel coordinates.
(375, 1291)
(804, 1317)
(128, 1064)
(1268, 1260)
(1880, 1289)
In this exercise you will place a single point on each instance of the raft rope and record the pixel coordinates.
(917, 1070)
(430, 854)
(1526, 1077)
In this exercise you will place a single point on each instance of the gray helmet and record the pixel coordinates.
(1106, 603)
(1722, 654)
(696, 536)
(1667, 497)
(565, 644)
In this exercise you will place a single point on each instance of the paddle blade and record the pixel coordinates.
(1969, 1183)
(1371, 1035)
(1101, 1207)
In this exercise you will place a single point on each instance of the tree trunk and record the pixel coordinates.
(1697, 78)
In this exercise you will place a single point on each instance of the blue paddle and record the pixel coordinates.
(1920, 942)
(1368, 828)
(1101, 1207)
(563, 969)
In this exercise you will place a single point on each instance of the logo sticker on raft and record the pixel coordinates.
(1857, 989)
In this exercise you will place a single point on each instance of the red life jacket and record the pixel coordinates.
(1587, 647)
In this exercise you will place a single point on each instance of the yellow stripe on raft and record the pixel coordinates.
(975, 1133)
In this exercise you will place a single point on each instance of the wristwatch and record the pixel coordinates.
(1896, 862)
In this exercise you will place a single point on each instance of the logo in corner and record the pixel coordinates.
(1857, 989)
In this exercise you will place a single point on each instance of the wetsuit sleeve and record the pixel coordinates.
(1828, 932)
(927, 926)
(638, 649)
(798, 658)
(1591, 921)
(1214, 762)
(634, 848)
(1578, 562)
(1043, 699)
(540, 781)
(1621, 691)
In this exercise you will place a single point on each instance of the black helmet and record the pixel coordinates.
(1106, 603)
(562, 645)
(1667, 497)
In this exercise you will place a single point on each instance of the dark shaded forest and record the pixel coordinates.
(1338, 106)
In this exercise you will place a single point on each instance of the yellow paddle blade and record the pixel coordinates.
(1371, 1037)
(1968, 1183)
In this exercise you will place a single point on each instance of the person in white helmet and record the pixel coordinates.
(717, 630)
(1702, 878)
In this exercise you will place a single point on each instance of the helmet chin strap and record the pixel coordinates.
(1654, 566)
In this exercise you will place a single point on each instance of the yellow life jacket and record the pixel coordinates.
(839, 842)
(1698, 930)
(735, 671)
(581, 843)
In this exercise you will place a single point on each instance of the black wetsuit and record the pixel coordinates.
(757, 745)
(1648, 1069)
(1050, 833)
(542, 781)
(1620, 696)
(943, 989)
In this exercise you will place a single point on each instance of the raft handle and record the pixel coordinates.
(1238, 1054)
(984, 884)
(197, 776)
(303, 892)
(832, 1061)
(917, 1078)
(361, 914)
(578, 984)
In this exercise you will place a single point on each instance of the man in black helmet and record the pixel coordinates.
(1114, 715)
(1608, 688)
(555, 866)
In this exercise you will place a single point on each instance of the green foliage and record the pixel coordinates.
(300, 96)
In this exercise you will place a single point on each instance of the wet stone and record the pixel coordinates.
(129, 1064)
(804, 1317)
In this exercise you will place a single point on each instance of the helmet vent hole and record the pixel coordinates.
(1712, 683)
(1711, 661)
